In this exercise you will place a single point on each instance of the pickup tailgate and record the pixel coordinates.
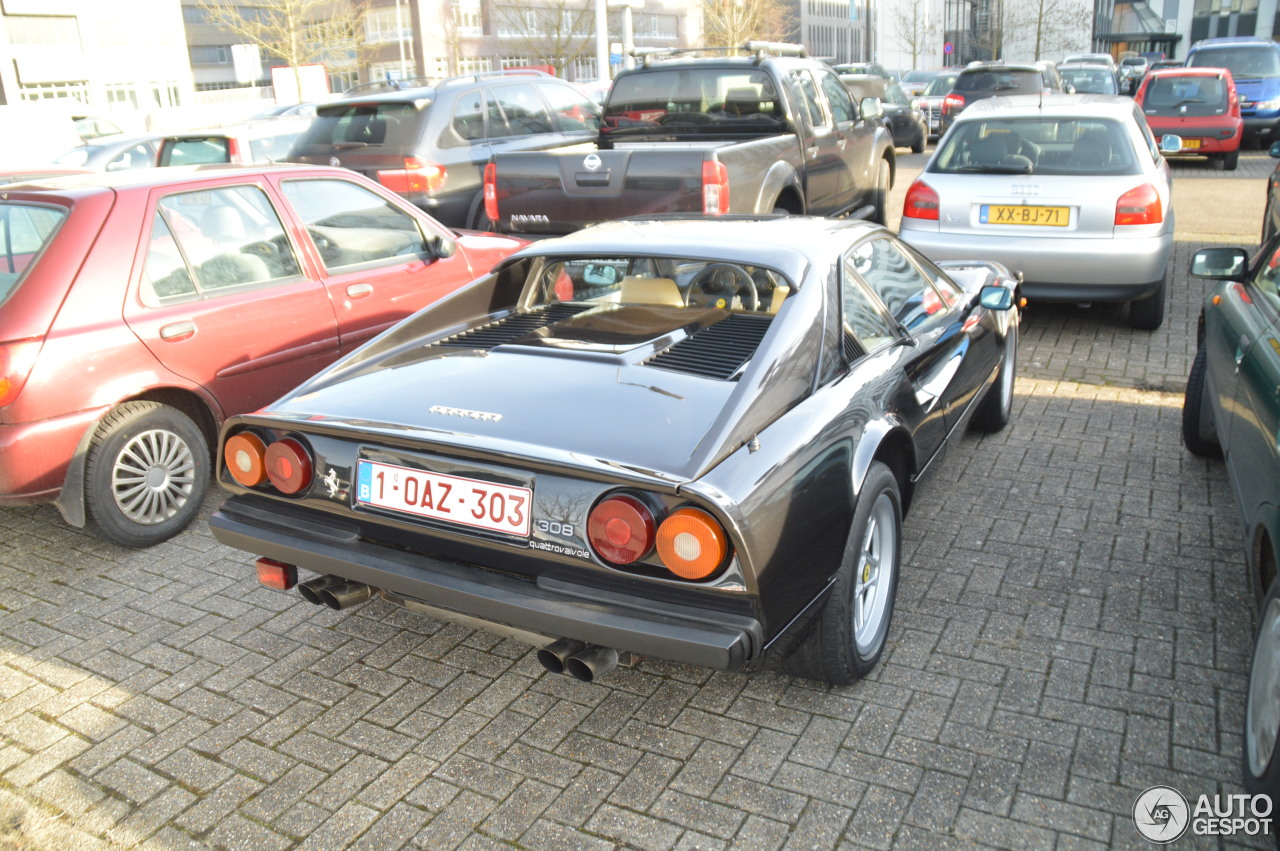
(557, 192)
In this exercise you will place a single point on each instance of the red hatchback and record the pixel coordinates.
(142, 308)
(1198, 104)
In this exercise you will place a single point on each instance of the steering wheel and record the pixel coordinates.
(719, 279)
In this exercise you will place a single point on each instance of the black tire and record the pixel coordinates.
(146, 474)
(479, 219)
(1230, 161)
(1268, 228)
(1259, 765)
(1147, 314)
(833, 652)
(922, 135)
(994, 410)
(1197, 422)
(881, 198)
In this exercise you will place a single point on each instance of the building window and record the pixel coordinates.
(210, 54)
(468, 18)
(656, 26)
(474, 65)
(56, 91)
(380, 26)
(53, 29)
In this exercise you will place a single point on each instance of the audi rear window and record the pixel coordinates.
(395, 125)
(25, 230)
(1033, 145)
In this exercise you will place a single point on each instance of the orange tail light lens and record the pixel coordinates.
(621, 528)
(691, 543)
(418, 175)
(1140, 206)
(16, 362)
(491, 191)
(288, 466)
(246, 458)
(921, 202)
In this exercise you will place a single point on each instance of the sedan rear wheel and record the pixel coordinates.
(1197, 423)
(849, 637)
(1262, 703)
(146, 474)
(1147, 314)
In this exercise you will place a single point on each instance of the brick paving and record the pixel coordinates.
(1073, 626)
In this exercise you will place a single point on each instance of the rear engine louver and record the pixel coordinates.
(512, 327)
(718, 351)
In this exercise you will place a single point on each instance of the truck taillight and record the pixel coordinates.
(921, 203)
(952, 103)
(233, 150)
(1140, 206)
(715, 188)
(16, 361)
(491, 191)
(418, 175)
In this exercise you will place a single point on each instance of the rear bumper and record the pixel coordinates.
(1057, 268)
(554, 606)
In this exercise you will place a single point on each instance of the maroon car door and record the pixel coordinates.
(377, 259)
(222, 298)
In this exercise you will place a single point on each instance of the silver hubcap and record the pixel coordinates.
(877, 560)
(152, 477)
(1262, 715)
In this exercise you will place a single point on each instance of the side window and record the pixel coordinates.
(842, 108)
(863, 316)
(468, 116)
(353, 227)
(213, 240)
(905, 291)
(141, 155)
(1153, 147)
(516, 111)
(808, 91)
(1266, 280)
(572, 112)
(197, 151)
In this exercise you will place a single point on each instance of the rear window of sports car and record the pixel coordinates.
(25, 230)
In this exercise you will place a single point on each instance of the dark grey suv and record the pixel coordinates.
(980, 80)
(431, 143)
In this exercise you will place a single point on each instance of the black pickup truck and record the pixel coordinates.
(772, 131)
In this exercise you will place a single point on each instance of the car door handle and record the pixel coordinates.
(811, 151)
(842, 142)
(359, 290)
(177, 331)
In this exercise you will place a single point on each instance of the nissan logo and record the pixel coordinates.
(591, 162)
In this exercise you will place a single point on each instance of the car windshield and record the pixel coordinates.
(994, 81)
(1242, 61)
(25, 229)
(680, 282)
(918, 76)
(1096, 80)
(939, 85)
(1185, 96)
(1035, 145)
(363, 125)
(718, 101)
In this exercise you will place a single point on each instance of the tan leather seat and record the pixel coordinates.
(636, 290)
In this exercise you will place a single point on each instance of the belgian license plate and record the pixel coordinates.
(451, 499)
(1191, 143)
(1022, 214)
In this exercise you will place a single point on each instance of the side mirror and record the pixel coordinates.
(1170, 144)
(870, 108)
(1275, 149)
(444, 246)
(1222, 264)
(995, 297)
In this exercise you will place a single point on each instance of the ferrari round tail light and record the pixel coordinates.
(245, 455)
(288, 465)
(621, 529)
(1140, 206)
(921, 203)
(691, 543)
(491, 191)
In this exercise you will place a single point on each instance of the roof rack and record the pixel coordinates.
(388, 85)
(481, 75)
(760, 49)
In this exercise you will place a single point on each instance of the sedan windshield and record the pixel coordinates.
(1034, 145)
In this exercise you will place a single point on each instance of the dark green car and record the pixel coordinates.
(1232, 409)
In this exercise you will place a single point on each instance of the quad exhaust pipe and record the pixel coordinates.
(335, 592)
(585, 662)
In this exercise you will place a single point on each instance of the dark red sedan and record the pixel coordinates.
(140, 309)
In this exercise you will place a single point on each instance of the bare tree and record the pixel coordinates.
(731, 22)
(299, 32)
(910, 25)
(1053, 24)
(555, 32)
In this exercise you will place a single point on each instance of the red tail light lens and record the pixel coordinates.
(715, 189)
(288, 465)
(418, 175)
(921, 202)
(621, 529)
(245, 455)
(691, 543)
(233, 149)
(16, 361)
(952, 103)
(276, 574)
(491, 191)
(1140, 206)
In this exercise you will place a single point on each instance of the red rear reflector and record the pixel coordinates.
(417, 176)
(621, 528)
(921, 202)
(245, 457)
(276, 574)
(288, 466)
(491, 191)
(715, 189)
(1139, 206)
(16, 361)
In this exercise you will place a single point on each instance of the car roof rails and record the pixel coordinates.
(388, 85)
(760, 50)
(483, 75)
